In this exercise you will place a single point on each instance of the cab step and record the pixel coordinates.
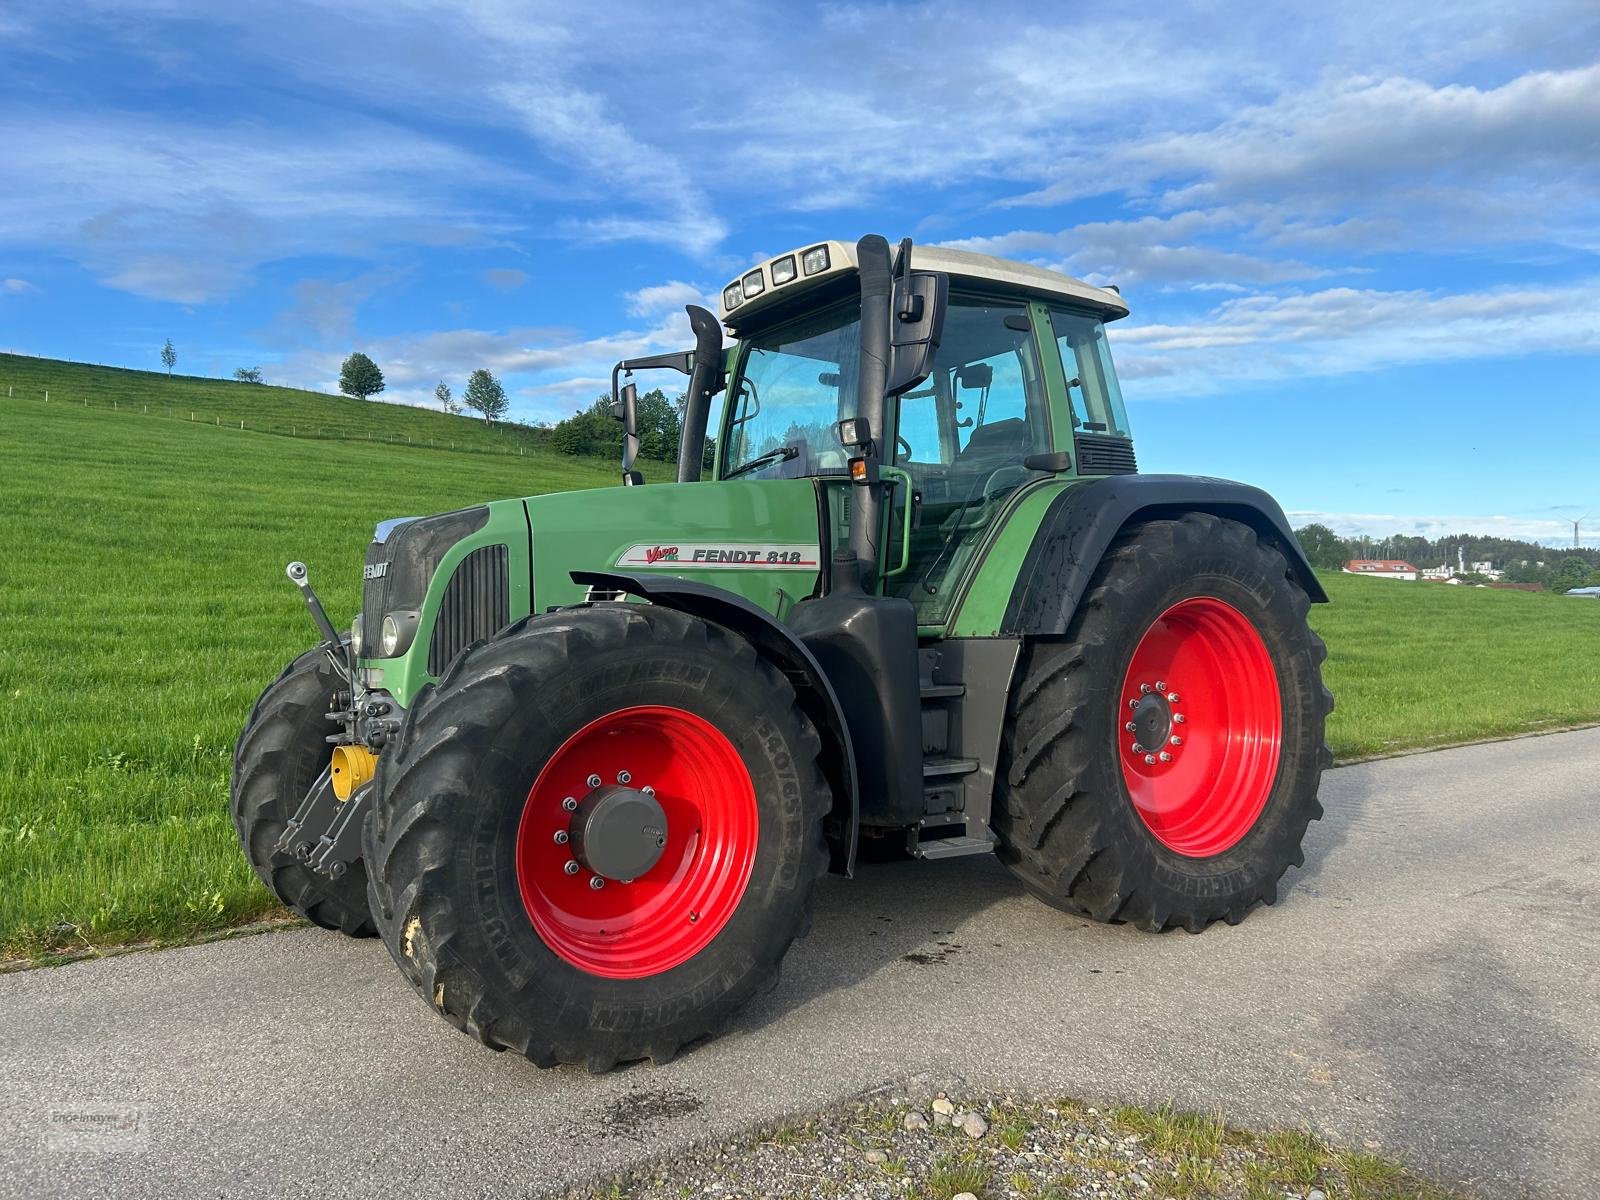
(944, 768)
(952, 847)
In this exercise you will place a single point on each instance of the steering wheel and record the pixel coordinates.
(902, 444)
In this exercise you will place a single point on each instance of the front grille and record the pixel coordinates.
(409, 556)
(477, 604)
(1105, 455)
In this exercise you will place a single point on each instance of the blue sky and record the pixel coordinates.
(1360, 241)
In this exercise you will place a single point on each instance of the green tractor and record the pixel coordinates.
(582, 757)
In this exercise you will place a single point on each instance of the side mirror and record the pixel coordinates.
(625, 408)
(916, 322)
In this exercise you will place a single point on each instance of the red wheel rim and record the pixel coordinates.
(1201, 689)
(627, 930)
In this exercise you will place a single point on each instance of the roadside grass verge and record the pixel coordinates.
(1051, 1150)
(1414, 665)
(143, 607)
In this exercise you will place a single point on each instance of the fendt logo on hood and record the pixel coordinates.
(717, 556)
(375, 570)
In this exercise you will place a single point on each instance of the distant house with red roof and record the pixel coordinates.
(1381, 568)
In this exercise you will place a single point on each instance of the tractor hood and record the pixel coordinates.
(434, 585)
(705, 534)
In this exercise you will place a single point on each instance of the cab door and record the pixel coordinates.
(961, 442)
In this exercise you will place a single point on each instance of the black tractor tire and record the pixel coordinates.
(442, 843)
(1066, 822)
(280, 753)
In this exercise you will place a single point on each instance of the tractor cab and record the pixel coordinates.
(1017, 386)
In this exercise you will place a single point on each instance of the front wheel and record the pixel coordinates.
(598, 835)
(1161, 764)
(281, 752)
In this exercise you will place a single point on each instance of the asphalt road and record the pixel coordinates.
(1429, 983)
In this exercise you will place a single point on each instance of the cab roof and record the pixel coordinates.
(759, 290)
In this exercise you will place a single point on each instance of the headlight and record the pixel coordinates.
(731, 296)
(355, 635)
(754, 284)
(399, 628)
(783, 270)
(814, 260)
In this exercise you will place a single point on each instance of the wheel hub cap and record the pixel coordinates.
(618, 832)
(1200, 727)
(637, 841)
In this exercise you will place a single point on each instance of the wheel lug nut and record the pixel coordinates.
(1172, 697)
(648, 790)
(1175, 740)
(594, 781)
(596, 882)
(561, 837)
(1150, 760)
(1133, 704)
(1165, 757)
(571, 867)
(1137, 748)
(1145, 688)
(624, 776)
(1160, 687)
(1130, 727)
(1178, 718)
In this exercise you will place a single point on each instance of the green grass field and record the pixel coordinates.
(143, 606)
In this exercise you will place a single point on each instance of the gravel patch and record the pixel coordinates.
(989, 1146)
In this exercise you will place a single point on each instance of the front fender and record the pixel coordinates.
(1081, 523)
(773, 640)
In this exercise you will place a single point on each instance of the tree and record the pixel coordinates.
(485, 395)
(248, 375)
(441, 393)
(1324, 548)
(169, 356)
(1570, 572)
(360, 377)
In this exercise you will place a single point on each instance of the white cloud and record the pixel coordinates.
(179, 210)
(1433, 527)
(555, 370)
(324, 310)
(1341, 330)
(1145, 250)
(17, 287)
(664, 297)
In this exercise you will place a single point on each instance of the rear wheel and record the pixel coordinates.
(280, 754)
(1161, 764)
(597, 836)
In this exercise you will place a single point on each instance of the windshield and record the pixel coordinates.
(798, 381)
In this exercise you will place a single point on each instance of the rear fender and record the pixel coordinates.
(1083, 521)
(775, 642)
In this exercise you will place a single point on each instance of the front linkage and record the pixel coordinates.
(325, 831)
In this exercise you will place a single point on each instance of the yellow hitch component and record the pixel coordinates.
(352, 766)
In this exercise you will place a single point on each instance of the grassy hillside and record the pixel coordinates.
(143, 607)
(260, 406)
